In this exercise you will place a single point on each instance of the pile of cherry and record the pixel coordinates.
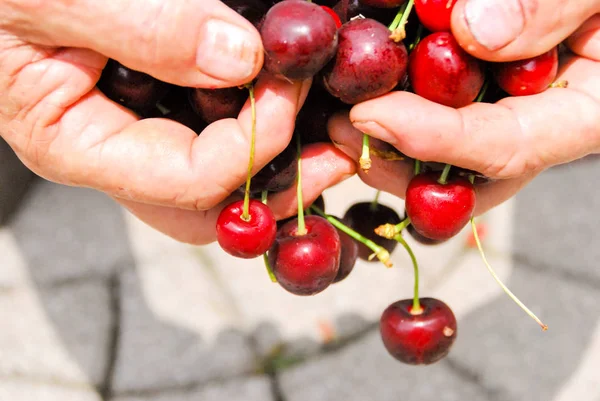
(354, 50)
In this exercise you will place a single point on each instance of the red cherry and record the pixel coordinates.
(527, 77)
(348, 256)
(246, 239)
(439, 211)
(306, 264)
(418, 339)
(435, 14)
(441, 71)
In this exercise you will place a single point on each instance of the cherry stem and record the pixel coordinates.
(378, 251)
(398, 24)
(375, 201)
(299, 197)
(416, 309)
(444, 177)
(495, 276)
(246, 209)
(417, 166)
(365, 157)
(269, 269)
(417, 39)
(264, 196)
(390, 231)
(483, 91)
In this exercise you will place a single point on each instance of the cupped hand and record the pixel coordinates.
(513, 140)
(64, 129)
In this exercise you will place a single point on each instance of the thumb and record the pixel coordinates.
(199, 43)
(507, 30)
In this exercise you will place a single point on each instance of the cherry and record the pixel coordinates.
(435, 14)
(529, 76)
(299, 38)
(187, 117)
(217, 104)
(420, 238)
(246, 238)
(133, 89)
(368, 63)
(383, 3)
(279, 174)
(418, 338)
(365, 217)
(306, 263)
(312, 119)
(439, 209)
(441, 71)
(336, 18)
(349, 255)
(319, 202)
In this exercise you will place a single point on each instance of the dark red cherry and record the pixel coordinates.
(439, 211)
(279, 174)
(418, 339)
(246, 239)
(435, 14)
(364, 218)
(336, 18)
(367, 64)
(441, 71)
(187, 117)
(306, 264)
(299, 38)
(420, 238)
(312, 119)
(133, 89)
(216, 104)
(383, 3)
(349, 9)
(527, 77)
(348, 256)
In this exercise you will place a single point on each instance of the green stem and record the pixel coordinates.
(417, 166)
(500, 283)
(375, 201)
(365, 157)
(246, 209)
(396, 22)
(416, 309)
(380, 252)
(299, 197)
(417, 39)
(483, 91)
(264, 196)
(390, 231)
(269, 269)
(444, 177)
(398, 26)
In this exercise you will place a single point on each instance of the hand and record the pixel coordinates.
(511, 141)
(51, 56)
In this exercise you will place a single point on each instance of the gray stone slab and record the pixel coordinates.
(14, 181)
(508, 353)
(154, 354)
(557, 219)
(364, 371)
(68, 233)
(20, 389)
(242, 389)
(56, 334)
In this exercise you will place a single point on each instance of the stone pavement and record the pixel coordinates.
(97, 306)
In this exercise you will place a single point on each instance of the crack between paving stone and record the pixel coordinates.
(181, 388)
(492, 394)
(114, 285)
(586, 280)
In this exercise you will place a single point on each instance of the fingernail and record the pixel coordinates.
(494, 23)
(226, 51)
(373, 129)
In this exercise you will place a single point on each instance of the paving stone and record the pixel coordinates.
(56, 334)
(25, 390)
(555, 217)
(68, 233)
(15, 179)
(242, 389)
(154, 354)
(509, 354)
(364, 371)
